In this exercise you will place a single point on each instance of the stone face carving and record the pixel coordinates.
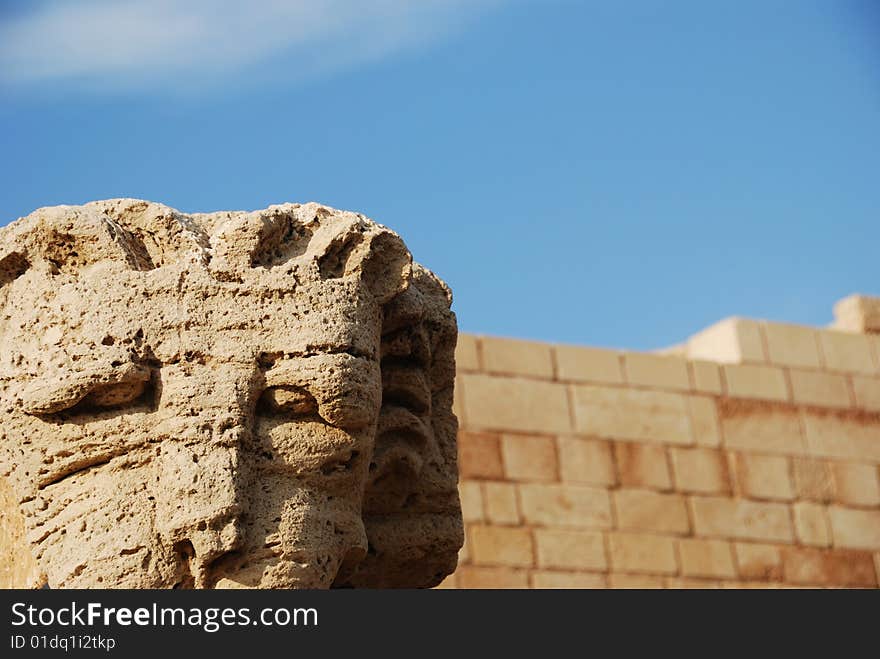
(230, 399)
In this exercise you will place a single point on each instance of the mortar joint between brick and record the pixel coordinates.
(737, 569)
(536, 563)
(689, 417)
(802, 430)
(794, 526)
(557, 458)
(689, 507)
(517, 498)
(692, 525)
(851, 390)
(789, 387)
(874, 349)
(670, 471)
(478, 348)
(569, 402)
(612, 509)
(624, 374)
(676, 554)
(615, 468)
(789, 464)
(531, 579)
(765, 343)
(817, 337)
(722, 376)
(606, 548)
(731, 466)
(484, 504)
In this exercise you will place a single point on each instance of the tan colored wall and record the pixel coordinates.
(748, 459)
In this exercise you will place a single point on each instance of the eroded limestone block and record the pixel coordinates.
(234, 399)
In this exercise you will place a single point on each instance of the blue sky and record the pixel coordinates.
(606, 173)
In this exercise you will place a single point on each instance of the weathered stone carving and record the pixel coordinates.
(230, 399)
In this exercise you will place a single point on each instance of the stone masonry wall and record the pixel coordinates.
(747, 457)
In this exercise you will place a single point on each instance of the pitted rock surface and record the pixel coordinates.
(232, 399)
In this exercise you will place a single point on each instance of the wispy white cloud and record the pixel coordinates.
(113, 43)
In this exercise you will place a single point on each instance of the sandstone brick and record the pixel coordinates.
(580, 364)
(586, 461)
(642, 552)
(792, 345)
(811, 524)
(704, 421)
(529, 457)
(617, 413)
(706, 377)
(516, 404)
(658, 371)
(646, 510)
(817, 567)
(473, 577)
(764, 476)
(706, 558)
(467, 357)
(501, 505)
(731, 341)
(565, 505)
(635, 581)
(848, 436)
(545, 579)
(497, 545)
(813, 479)
(758, 561)
(642, 465)
(748, 520)
(755, 381)
(867, 392)
(699, 470)
(449, 583)
(568, 549)
(856, 484)
(471, 501)
(684, 583)
(757, 585)
(847, 352)
(479, 455)
(855, 529)
(821, 389)
(753, 426)
(517, 357)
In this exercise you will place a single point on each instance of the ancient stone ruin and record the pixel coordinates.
(232, 399)
(748, 456)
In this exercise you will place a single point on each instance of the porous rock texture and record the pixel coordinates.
(231, 399)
